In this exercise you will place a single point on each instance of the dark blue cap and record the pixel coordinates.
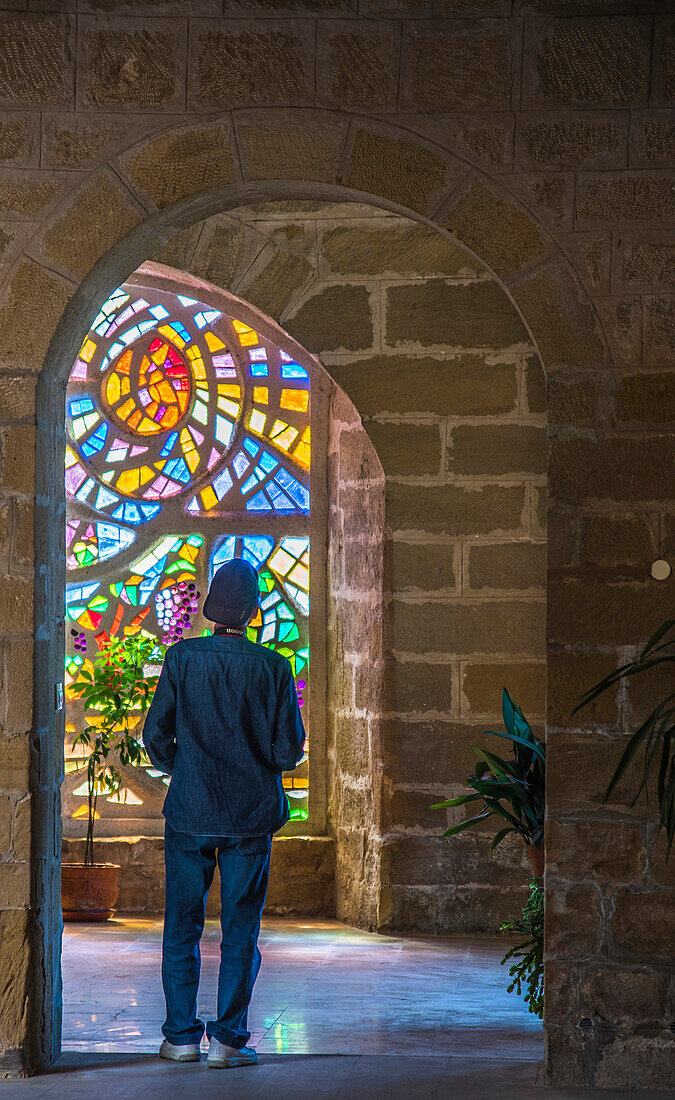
(233, 594)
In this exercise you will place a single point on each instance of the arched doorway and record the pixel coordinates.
(376, 887)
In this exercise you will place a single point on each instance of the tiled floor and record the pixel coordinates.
(323, 988)
(336, 1013)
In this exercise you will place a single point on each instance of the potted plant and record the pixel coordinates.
(118, 691)
(656, 735)
(511, 790)
(527, 972)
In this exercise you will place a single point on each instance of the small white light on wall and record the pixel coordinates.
(661, 569)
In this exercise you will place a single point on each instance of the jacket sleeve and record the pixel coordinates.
(159, 730)
(289, 732)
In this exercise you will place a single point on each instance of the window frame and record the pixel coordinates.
(158, 279)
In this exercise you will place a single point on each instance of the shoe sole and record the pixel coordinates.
(230, 1063)
(180, 1057)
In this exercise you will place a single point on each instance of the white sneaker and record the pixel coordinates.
(186, 1053)
(221, 1056)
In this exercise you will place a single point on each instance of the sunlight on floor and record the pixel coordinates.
(323, 988)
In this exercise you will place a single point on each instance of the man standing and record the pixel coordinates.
(225, 723)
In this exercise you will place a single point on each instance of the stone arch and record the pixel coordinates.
(254, 154)
(406, 174)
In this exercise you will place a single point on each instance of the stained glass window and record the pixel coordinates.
(188, 443)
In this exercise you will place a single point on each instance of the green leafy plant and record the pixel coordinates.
(118, 691)
(528, 972)
(512, 790)
(656, 735)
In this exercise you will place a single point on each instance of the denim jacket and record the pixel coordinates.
(225, 723)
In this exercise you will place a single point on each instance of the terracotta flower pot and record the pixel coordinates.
(89, 893)
(537, 858)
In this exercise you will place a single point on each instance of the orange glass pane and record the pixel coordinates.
(124, 362)
(295, 399)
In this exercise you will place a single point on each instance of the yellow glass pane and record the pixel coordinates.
(285, 438)
(146, 427)
(129, 481)
(261, 395)
(159, 356)
(295, 399)
(165, 392)
(247, 339)
(239, 326)
(212, 342)
(126, 409)
(302, 456)
(87, 350)
(192, 460)
(82, 811)
(229, 391)
(112, 390)
(302, 453)
(168, 330)
(209, 498)
(125, 386)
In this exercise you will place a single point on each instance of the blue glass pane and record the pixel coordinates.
(297, 491)
(222, 484)
(293, 370)
(80, 405)
(259, 503)
(259, 546)
(168, 446)
(241, 464)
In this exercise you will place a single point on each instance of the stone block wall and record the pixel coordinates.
(119, 127)
(302, 875)
(437, 529)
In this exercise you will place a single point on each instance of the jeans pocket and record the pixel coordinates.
(250, 845)
(181, 842)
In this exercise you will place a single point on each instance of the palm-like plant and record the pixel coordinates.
(119, 691)
(656, 735)
(513, 790)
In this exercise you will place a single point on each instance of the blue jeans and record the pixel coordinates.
(244, 872)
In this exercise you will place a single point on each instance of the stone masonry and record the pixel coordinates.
(540, 137)
(413, 702)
